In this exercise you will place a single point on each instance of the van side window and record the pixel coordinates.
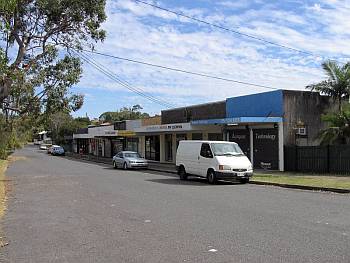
(205, 151)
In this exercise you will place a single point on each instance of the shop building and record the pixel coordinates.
(262, 124)
(160, 140)
(107, 139)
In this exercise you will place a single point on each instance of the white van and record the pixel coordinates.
(213, 160)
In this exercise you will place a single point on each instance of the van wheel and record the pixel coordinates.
(182, 173)
(211, 177)
(244, 180)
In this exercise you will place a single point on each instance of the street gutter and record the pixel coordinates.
(304, 187)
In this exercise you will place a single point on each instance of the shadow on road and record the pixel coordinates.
(190, 182)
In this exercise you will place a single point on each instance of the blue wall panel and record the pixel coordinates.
(267, 104)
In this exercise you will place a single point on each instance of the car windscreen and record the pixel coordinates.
(132, 155)
(226, 149)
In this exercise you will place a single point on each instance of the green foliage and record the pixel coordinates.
(338, 83)
(62, 125)
(14, 137)
(33, 30)
(124, 113)
(338, 130)
(35, 83)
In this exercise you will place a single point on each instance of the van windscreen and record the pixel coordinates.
(227, 149)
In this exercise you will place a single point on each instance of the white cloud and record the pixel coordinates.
(153, 36)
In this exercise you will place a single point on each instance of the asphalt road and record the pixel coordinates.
(62, 210)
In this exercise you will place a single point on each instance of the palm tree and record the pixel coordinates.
(338, 83)
(338, 130)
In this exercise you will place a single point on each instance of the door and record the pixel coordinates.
(242, 138)
(205, 159)
(152, 148)
(119, 159)
(266, 149)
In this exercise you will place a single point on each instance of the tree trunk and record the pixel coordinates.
(5, 85)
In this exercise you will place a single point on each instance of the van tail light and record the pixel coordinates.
(221, 167)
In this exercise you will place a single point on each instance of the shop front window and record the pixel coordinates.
(197, 136)
(132, 144)
(168, 147)
(117, 146)
(100, 148)
(152, 148)
(215, 137)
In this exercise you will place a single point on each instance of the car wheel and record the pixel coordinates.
(182, 173)
(244, 180)
(125, 166)
(211, 177)
(115, 165)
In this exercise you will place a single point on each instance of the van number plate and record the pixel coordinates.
(240, 174)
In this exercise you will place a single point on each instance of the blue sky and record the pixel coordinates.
(143, 33)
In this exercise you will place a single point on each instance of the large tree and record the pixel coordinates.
(125, 113)
(35, 73)
(338, 83)
(63, 125)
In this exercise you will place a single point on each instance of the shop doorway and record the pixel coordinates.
(242, 138)
(152, 148)
(266, 149)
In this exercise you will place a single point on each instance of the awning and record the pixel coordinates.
(238, 120)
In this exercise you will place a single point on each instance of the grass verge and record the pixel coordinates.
(3, 166)
(339, 182)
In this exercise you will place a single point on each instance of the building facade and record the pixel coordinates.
(262, 124)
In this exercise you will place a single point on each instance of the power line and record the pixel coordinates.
(181, 70)
(230, 30)
(129, 86)
(123, 83)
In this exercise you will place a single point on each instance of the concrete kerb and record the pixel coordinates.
(155, 167)
(304, 187)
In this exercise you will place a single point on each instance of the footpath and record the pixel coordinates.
(313, 182)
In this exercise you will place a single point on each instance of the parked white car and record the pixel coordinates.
(44, 146)
(213, 160)
(128, 159)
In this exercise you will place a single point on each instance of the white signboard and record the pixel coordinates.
(166, 128)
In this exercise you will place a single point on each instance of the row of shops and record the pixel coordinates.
(262, 124)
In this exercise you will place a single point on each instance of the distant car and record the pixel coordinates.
(45, 146)
(57, 150)
(128, 159)
(49, 149)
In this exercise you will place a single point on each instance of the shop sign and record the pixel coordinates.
(239, 136)
(111, 133)
(267, 136)
(166, 127)
(123, 133)
(126, 133)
